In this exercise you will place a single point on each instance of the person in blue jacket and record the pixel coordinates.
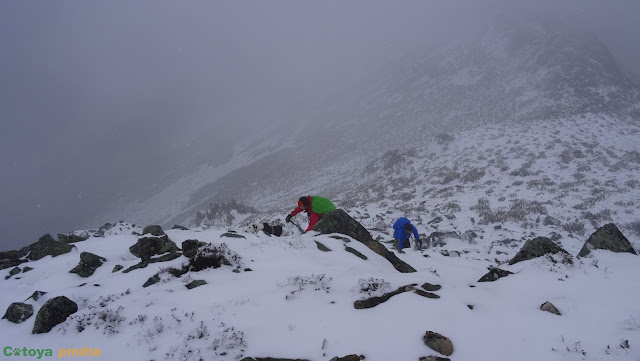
(402, 230)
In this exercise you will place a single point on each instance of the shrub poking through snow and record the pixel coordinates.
(212, 256)
(299, 283)
(373, 286)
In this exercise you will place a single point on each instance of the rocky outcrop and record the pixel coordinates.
(89, 262)
(10, 259)
(537, 247)
(153, 230)
(52, 313)
(18, 312)
(438, 343)
(147, 247)
(71, 238)
(47, 246)
(339, 221)
(190, 247)
(607, 237)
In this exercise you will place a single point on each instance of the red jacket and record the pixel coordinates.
(313, 216)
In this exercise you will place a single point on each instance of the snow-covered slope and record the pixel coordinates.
(288, 299)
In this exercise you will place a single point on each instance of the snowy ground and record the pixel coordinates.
(297, 296)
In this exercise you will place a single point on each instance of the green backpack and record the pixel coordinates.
(321, 205)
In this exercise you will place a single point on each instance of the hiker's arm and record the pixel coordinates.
(313, 219)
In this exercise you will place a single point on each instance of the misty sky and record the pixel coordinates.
(100, 98)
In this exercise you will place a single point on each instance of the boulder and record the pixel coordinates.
(607, 237)
(89, 262)
(536, 247)
(494, 274)
(52, 313)
(153, 230)
(146, 247)
(190, 246)
(438, 343)
(47, 246)
(211, 256)
(549, 307)
(196, 283)
(10, 259)
(18, 312)
(339, 221)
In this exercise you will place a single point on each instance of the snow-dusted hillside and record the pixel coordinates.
(507, 75)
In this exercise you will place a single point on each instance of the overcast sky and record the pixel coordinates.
(97, 97)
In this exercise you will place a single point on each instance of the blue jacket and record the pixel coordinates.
(402, 235)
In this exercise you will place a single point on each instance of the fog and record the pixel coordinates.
(100, 99)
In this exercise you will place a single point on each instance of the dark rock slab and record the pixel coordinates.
(426, 294)
(47, 246)
(537, 247)
(374, 301)
(322, 247)
(339, 221)
(355, 252)
(18, 312)
(494, 274)
(52, 313)
(607, 237)
(430, 287)
(89, 262)
(196, 283)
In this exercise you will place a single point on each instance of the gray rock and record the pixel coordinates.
(147, 247)
(36, 295)
(190, 247)
(322, 247)
(196, 283)
(374, 301)
(71, 238)
(10, 259)
(494, 274)
(26, 269)
(434, 358)
(426, 294)
(549, 307)
(211, 256)
(232, 235)
(537, 247)
(152, 281)
(430, 287)
(438, 343)
(47, 246)
(352, 357)
(339, 221)
(153, 230)
(89, 262)
(52, 313)
(607, 237)
(164, 258)
(15, 271)
(470, 237)
(550, 221)
(117, 268)
(182, 228)
(355, 252)
(18, 312)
